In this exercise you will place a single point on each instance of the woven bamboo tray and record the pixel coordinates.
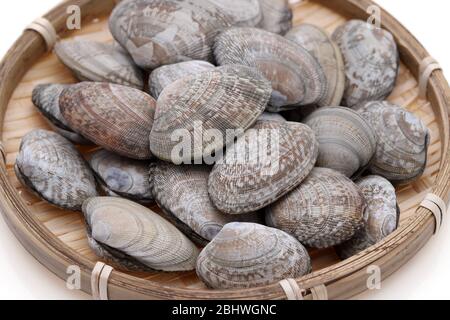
(57, 238)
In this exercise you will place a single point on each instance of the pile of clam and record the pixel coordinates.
(238, 216)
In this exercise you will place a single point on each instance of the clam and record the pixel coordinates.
(347, 142)
(272, 117)
(380, 217)
(165, 75)
(296, 76)
(115, 117)
(371, 61)
(122, 177)
(51, 167)
(159, 32)
(325, 210)
(245, 255)
(243, 13)
(182, 193)
(267, 162)
(277, 16)
(403, 140)
(134, 237)
(46, 98)
(101, 62)
(320, 46)
(214, 102)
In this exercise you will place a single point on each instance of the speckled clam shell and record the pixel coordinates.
(270, 116)
(161, 77)
(371, 61)
(243, 13)
(320, 46)
(122, 177)
(182, 193)
(403, 141)
(347, 142)
(46, 98)
(381, 216)
(245, 255)
(53, 169)
(277, 16)
(226, 98)
(244, 181)
(134, 237)
(325, 210)
(297, 78)
(159, 32)
(101, 62)
(115, 117)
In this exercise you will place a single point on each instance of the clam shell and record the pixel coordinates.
(133, 236)
(243, 13)
(46, 98)
(296, 76)
(320, 46)
(277, 16)
(226, 98)
(245, 255)
(52, 168)
(115, 117)
(165, 75)
(182, 193)
(272, 117)
(159, 32)
(101, 62)
(381, 216)
(403, 141)
(270, 160)
(371, 61)
(122, 177)
(325, 210)
(347, 142)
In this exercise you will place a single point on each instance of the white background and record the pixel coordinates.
(426, 276)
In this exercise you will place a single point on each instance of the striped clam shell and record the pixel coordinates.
(347, 142)
(267, 162)
(403, 141)
(161, 77)
(296, 76)
(320, 46)
(159, 32)
(277, 16)
(226, 98)
(245, 255)
(115, 117)
(122, 177)
(243, 13)
(381, 216)
(53, 169)
(101, 62)
(182, 193)
(325, 210)
(46, 98)
(135, 238)
(371, 61)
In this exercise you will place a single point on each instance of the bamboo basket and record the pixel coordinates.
(57, 238)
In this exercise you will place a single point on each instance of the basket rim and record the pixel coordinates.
(57, 256)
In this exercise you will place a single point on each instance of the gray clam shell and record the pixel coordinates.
(325, 210)
(245, 255)
(403, 141)
(161, 77)
(272, 117)
(182, 193)
(52, 168)
(277, 16)
(243, 13)
(347, 142)
(297, 78)
(381, 216)
(371, 61)
(245, 182)
(159, 32)
(135, 238)
(122, 177)
(101, 62)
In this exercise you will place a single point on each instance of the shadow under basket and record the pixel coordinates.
(57, 238)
